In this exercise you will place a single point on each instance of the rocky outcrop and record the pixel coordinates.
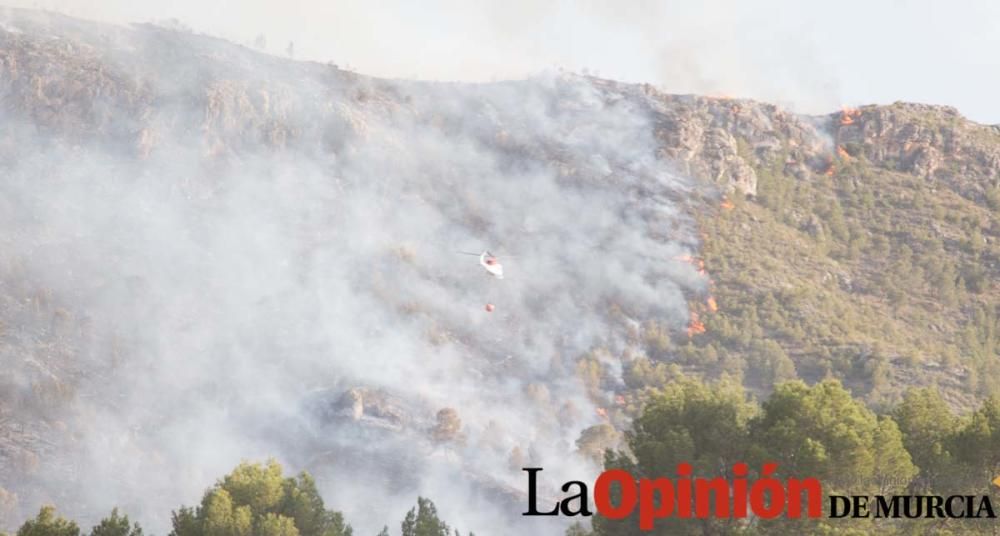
(932, 142)
(372, 406)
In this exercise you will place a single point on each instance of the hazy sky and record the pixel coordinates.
(809, 56)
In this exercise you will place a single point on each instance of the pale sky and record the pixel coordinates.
(809, 56)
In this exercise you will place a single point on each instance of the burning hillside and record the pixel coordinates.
(237, 256)
(209, 254)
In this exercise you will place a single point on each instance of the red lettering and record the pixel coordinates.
(648, 510)
(740, 471)
(602, 494)
(684, 490)
(814, 494)
(767, 509)
(617, 493)
(703, 492)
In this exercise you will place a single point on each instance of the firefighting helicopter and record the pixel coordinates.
(493, 268)
(489, 262)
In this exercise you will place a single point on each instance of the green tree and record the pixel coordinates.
(47, 523)
(770, 364)
(223, 518)
(975, 445)
(927, 426)
(593, 441)
(276, 525)
(672, 428)
(302, 502)
(116, 525)
(822, 432)
(258, 486)
(257, 500)
(894, 468)
(690, 422)
(423, 520)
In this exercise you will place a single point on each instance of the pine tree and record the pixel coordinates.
(47, 523)
(116, 525)
(423, 520)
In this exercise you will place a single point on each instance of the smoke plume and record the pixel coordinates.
(213, 255)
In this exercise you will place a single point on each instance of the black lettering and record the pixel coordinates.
(985, 504)
(533, 495)
(952, 513)
(845, 503)
(887, 508)
(861, 506)
(915, 501)
(584, 509)
(934, 506)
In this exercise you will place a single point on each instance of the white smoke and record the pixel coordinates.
(293, 233)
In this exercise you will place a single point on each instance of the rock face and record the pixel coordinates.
(931, 142)
(726, 140)
(373, 407)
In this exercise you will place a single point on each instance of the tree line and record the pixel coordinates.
(255, 499)
(920, 447)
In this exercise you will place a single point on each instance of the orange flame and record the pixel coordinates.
(711, 303)
(602, 412)
(727, 204)
(695, 327)
(700, 264)
(842, 153)
(848, 115)
(829, 166)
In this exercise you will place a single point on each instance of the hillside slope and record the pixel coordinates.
(186, 222)
(865, 248)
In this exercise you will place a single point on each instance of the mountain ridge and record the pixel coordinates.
(679, 142)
